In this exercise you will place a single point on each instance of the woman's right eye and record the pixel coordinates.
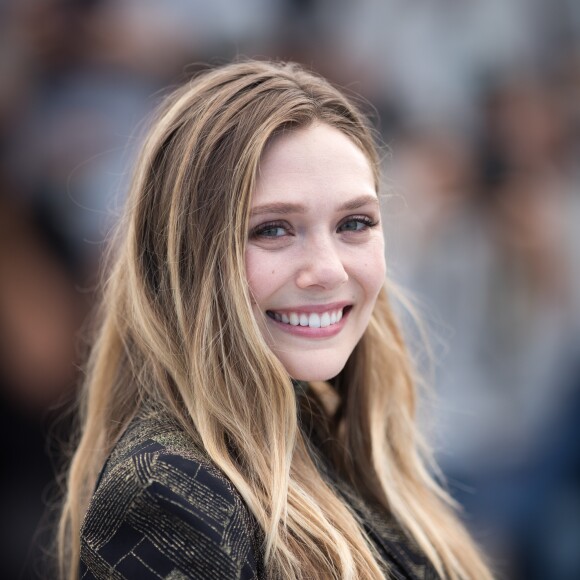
(270, 230)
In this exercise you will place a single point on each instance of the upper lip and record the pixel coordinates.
(310, 308)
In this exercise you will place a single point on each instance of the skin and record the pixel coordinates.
(315, 246)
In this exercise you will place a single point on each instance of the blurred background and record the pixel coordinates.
(478, 102)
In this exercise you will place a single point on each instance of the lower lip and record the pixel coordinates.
(308, 332)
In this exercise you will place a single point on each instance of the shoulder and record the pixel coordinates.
(162, 509)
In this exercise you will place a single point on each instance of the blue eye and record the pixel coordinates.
(272, 232)
(269, 230)
(356, 224)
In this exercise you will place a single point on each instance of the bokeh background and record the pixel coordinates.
(478, 102)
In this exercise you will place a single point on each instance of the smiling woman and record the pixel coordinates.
(315, 256)
(249, 405)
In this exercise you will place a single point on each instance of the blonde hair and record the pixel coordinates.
(178, 330)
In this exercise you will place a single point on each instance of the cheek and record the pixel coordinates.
(372, 271)
(262, 274)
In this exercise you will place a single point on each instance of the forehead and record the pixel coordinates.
(312, 161)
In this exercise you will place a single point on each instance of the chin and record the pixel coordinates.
(312, 370)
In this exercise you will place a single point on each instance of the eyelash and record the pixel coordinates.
(259, 231)
(365, 220)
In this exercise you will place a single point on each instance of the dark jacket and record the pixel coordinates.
(161, 509)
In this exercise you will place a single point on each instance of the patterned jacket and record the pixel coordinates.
(161, 509)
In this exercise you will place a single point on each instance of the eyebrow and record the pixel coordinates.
(282, 208)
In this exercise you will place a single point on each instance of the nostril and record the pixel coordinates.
(325, 269)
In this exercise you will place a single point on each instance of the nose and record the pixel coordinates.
(321, 265)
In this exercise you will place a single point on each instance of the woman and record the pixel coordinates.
(249, 394)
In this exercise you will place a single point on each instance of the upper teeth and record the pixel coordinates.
(314, 319)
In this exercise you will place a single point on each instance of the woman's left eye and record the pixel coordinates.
(356, 224)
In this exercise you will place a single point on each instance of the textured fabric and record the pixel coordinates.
(401, 560)
(161, 509)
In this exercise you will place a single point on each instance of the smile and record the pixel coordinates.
(320, 319)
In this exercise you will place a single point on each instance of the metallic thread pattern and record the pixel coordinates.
(161, 509)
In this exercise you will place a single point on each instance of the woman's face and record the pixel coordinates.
(315, 255)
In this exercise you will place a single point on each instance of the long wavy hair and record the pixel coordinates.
(177, 329)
